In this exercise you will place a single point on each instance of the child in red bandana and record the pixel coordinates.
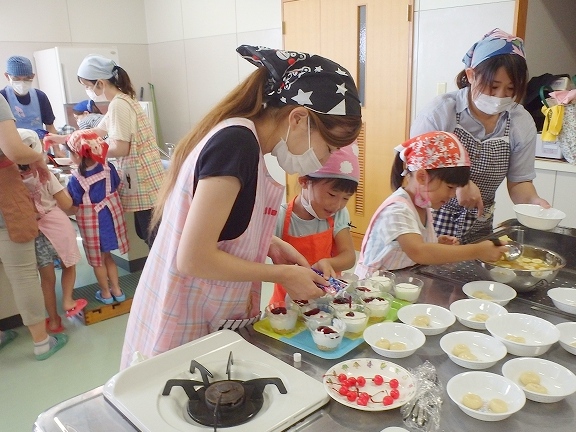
(426, 172)
(99, 214)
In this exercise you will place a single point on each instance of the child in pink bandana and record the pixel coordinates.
(316, 222)
(99, 214)
(426, 172)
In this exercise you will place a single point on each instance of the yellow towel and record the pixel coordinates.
(553, 117)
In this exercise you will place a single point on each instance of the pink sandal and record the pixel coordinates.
(80, 304)
(58, 329)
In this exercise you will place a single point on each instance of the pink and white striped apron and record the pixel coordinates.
(395, 258)
(170, 308)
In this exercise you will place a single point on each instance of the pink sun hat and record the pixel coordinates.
(342, 163)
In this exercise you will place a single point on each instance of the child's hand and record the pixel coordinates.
(325, 267)
(488, 252)
(52, 139)
(448, 240)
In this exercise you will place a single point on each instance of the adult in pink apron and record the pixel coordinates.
(180, 295)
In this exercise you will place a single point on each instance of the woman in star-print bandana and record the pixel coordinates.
(498, 133)
(219, 204)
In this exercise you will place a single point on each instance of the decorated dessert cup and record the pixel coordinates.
(282, 316)
(384, 280)
(379, 305)
(327, 337)
(408, 288)
(320, 315)
(356, 319)
(304, 306)
(343, 301)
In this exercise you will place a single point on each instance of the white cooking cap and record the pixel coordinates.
(95, 67)
(31, 139)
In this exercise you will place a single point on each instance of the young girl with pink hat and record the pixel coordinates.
(317, 222)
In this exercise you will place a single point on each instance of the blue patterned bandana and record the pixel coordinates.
(492, 44)
(312, 81)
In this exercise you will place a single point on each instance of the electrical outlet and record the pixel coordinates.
(440, 88)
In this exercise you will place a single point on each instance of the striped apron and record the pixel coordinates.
(170, 308)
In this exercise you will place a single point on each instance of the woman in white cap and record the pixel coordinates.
(219, 203)
(130, 137)
(498, 133)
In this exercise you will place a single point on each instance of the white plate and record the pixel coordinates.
(63, 161)
(368, 368)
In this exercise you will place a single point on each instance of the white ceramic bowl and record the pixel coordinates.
(568, 336)
(439, 318)
(489, 290)
(394, 332)
(473, 313)
(539, 335)
(559, 381)
(564, 299)
(488, 386)
(537, 217)
(408, 288)
(487, 349)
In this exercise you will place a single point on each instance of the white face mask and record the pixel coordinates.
(21, 87)
(303, 164)
(307, 204)
(493, 105)
(96, 98)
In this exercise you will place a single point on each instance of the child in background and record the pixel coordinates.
(426, 172)
(87, 114)
(96, 203)
(56, 240)
(317, 222)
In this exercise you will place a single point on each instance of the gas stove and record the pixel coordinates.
(207, 382)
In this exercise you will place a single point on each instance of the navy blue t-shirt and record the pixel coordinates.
(232, 151)
(46, 112)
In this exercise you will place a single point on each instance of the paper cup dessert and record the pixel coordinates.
(282, 316)
(320, 315)
(355, 318)
(378, 306)
(327, 337)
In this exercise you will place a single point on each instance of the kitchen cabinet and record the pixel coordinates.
(555, 182)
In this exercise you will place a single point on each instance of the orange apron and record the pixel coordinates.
(314, 247)
(16, 205)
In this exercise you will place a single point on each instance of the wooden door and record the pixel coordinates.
(373, 40)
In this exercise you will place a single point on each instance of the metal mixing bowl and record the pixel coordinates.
(525, 280)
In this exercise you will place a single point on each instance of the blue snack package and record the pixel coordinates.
(335, 285)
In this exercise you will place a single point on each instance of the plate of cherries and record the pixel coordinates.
(369, 384)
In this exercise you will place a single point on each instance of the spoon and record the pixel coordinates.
(514, 249)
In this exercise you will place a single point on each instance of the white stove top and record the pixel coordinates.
(137, 391)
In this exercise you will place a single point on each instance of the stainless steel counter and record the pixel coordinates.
(89, 412)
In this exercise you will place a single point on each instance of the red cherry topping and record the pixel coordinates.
(326, 330)
(312, 312)
(394, 393)
(350, 314)
(352, 395)
(341, 300)
(301, 302)
(388, 400)
(378, 380)
(351, 381)
(279, 310)
(361, 381)
(393, 383)
(362, 288)
(342, 377)
(343, 390)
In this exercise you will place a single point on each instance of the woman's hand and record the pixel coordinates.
(41, 169)
(300, 282)
(469, 197)
(325, 267)
(54, 139)
(540, 201)
(281, 252)
(448, 240)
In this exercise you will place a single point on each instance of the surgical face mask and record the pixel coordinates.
(21, 87)
(96, 98)
(307, 203)
(303, 164)
(493, 105)
(422, 199)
